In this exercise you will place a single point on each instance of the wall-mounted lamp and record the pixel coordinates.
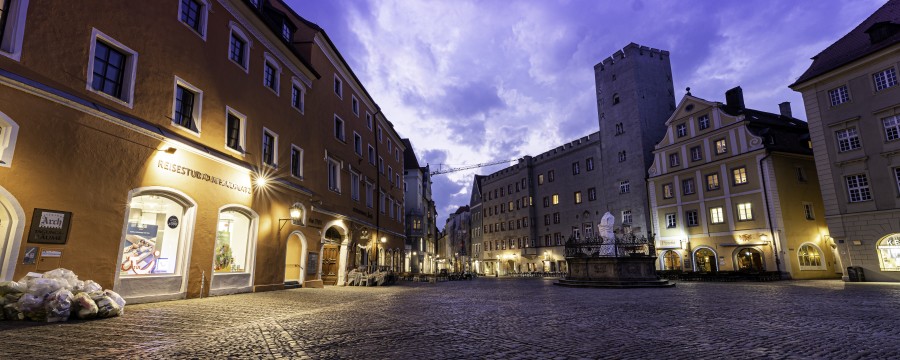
(764, 237)
(261, 181)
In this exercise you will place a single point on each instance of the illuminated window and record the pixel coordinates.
(721, 147)
(671, 260)
(716, 215)
(745, 211)
(739, 176)
(889, 252)
(712, 182)
(668, 191)
(578, 197)
(555, 199)
(234, 242)
(810, 257)
(154, 237)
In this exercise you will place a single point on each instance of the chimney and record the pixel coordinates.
(785, 109)
(734, 98)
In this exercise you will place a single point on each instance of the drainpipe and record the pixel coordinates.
(378, 205)
(769, 213)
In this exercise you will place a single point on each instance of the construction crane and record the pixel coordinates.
(442, 170)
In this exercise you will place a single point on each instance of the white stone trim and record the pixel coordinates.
(15, 30)
(129, 79)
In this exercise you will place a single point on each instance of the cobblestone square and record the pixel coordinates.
(490, 318)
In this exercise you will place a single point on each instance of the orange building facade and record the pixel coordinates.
(187, 148)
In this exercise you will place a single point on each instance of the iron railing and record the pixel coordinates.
(622, 245)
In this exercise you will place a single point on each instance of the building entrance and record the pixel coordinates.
(292, 259)
(330, 255)
(749, 259)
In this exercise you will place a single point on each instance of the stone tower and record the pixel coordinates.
(634, 99)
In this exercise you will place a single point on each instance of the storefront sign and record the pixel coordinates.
(49, 226)
(181, 170)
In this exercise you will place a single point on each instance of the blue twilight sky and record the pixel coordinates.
(473, 81)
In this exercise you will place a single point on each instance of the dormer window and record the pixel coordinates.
(286, 32)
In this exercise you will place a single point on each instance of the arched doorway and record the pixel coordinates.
(671, 260)
(705, 260)
(889, 252)
(331, 256)
(748, 259)
(12, 226)
(295, 266)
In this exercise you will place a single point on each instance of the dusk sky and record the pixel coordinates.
(476, 81)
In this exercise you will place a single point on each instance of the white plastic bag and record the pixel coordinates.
(118, 299)
(59, 306)
(32, 306)
(67, 278)
(7, 287)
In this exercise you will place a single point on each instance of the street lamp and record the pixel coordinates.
(296, 216)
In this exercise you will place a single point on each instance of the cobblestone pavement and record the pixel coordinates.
(491, 318)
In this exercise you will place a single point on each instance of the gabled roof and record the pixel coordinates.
(779, 132)
(859, 42)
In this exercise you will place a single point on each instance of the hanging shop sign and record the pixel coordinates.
(199, 175)
(49, 226)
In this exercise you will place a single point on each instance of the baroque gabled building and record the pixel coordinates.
(735, 189)
(853, 104)
(420, 214)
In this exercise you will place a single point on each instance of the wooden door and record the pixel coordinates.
(330, 264)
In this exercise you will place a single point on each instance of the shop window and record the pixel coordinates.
(154, 237)
(705, 260)
(111, 69)
(671, 260)
(187, 106)
(749, 259)
(9, 131)
(193, 14)
(889, 252)
(239, 48)
(234, 248)
(12, 27)
(810, 257)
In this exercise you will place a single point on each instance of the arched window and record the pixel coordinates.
(671, 260)
(234, 249)
(705, 260)
(810, 257)
(615, 98)
(889, 252)
(154, 238)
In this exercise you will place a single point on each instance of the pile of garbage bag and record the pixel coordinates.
(57, 295)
